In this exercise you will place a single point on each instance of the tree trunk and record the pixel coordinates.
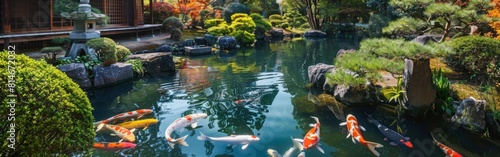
(447, 28)
(420, 90)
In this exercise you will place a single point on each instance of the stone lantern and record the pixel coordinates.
(84, 21)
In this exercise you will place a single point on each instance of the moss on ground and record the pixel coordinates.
(438, 63)
(463, 91)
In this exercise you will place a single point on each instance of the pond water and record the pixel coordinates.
(274, 76)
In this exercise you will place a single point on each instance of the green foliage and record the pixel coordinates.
(121, 53)
(86, 60)
(53, 116)
(275, 17)
(405, 26)
(396, 94)
(176, 34)
(106, 48)
(294, 18)
(380, 54)
(244, 37)
(234, 8)
(61, 41)
(375, 25)
(51, 52)
(213, 22)
(136, 67)
(220, 30)
(305, 26)
(260, 22)
(476, 55)
(243, 22)
(443, 91)
(172, 23)
(286, 25)
(277, 23)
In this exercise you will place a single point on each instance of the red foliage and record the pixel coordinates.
(192, 7)
(495, 13)
(162, 10)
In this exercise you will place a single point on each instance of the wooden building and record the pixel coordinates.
(29, 24)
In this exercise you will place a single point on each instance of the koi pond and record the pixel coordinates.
(262, 91)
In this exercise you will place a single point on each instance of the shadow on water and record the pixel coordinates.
(261, 91)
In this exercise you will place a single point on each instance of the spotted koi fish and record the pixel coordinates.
(123, 133)
(355, 132)
(311, 139)
(144, 123)
(233, 139)
(447, 150)
(181, 123)
(113, 145)
(123, 116)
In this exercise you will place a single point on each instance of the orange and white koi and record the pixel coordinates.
(123, 133)
(113, 145)
(233, 139)
(144, 123)
(355, 132)
(123, 116)
(311, 139)
(447, 150)
(181, 123)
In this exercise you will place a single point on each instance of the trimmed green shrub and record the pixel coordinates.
(106, 48)
(244, 38)
(243, 22)
(377, 22)
(220, 30)
(305, 26)
(476, 55)
(121, 53)
(234, 8)
(275, 17)
(176, 34)
(53, 116)
(213, 22)
(294, 18)
(276, 23)
(171, 23)
(285, 25)
(260, 22)
(51, 52)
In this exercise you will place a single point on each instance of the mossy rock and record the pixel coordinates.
(106, 48)
(462, 91)
(53, 116)
(121, 53)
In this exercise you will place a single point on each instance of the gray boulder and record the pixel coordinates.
(78, 73)
(227, 42)
(276, 32)
(470, 115)
(352, 95)
(423, 39)
(314, 34)
(343, 51)
(200, 41)
(316, 73)
(163, 48)
(189, 42)
(113, 74)
(211, 40)
(156, 62)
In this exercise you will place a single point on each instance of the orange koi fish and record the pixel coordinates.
(113, 145)
(144, 123)
(311, 139)
(121, 132)
(355, 132)
(447, 150)
(122, 116)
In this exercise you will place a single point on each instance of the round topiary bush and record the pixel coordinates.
(234, 8)
(172, 23)
(475, 55)
(275, 17)
(176, 34)
(51, 114)
(122, 52)
(106, 48)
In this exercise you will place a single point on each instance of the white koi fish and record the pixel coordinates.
(122, 116)
(181, 123)
(123, 133)
(288, 153)
(355, 132)
(233, 139)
